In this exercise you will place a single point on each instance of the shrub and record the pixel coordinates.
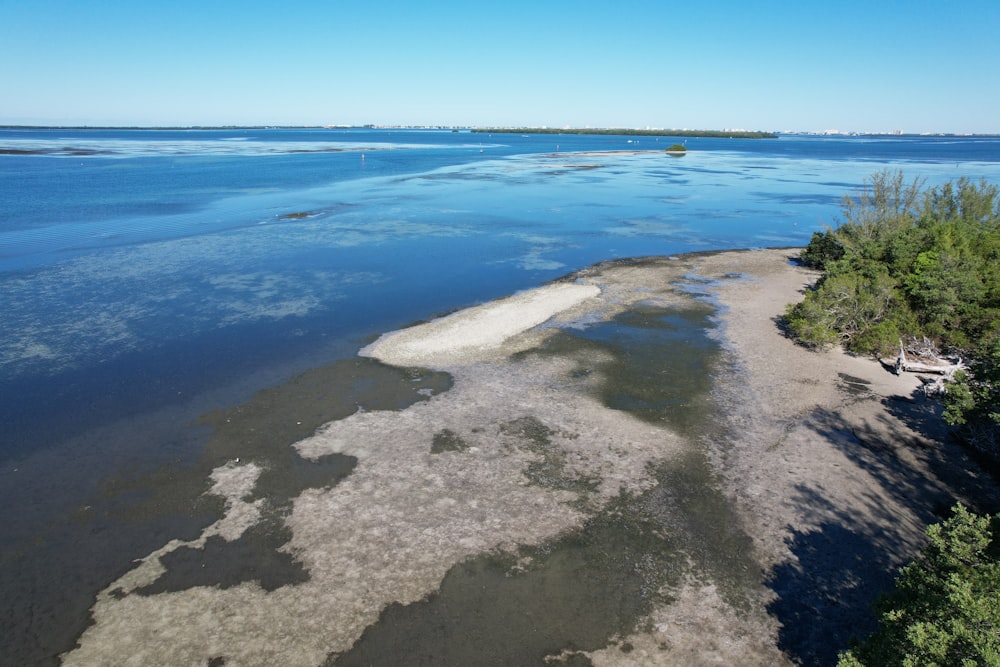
(945, 609)
(823, 249)
(810, 324)
(912, 262)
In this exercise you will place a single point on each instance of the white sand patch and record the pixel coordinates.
(474, 333)
(235, 482)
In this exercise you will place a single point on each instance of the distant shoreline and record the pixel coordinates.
(726, 134)
(734, 134)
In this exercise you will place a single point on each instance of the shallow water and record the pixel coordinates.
(574, 594)
(592, 588)
(151, 278)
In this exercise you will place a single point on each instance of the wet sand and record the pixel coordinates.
(640, 470)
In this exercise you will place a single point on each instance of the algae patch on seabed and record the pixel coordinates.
(447, 440)
(664, 361)
(655, 363)
(549, 469)
(593, 586)
(253, 556)
(575, 593)
(261, 432)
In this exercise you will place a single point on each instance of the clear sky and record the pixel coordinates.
(871, 65)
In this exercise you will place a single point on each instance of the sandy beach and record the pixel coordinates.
(554, 508)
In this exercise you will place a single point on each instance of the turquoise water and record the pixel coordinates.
(148, 277)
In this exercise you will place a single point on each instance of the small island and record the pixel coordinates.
(677, 150)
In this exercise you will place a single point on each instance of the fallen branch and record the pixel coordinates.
(929, 362)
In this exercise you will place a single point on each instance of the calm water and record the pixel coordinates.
(148, 277)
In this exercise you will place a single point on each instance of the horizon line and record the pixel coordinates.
(524, 128)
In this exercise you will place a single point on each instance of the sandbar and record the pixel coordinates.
(479, 331)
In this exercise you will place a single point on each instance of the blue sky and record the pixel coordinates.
(917, 66)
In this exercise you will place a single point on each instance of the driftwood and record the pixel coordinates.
(926, 361)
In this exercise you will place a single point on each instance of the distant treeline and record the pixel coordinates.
(161, 127)
(726, 134)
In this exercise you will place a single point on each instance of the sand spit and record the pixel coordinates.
(477, 332)
(521, 451)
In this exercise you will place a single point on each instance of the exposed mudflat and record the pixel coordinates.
(632, 466)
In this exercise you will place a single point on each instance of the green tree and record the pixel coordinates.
(823, 249)
(908, 261)
(972, 402)
(861, 309)
(886, 207)
(945, 609)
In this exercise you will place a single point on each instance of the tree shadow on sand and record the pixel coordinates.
(921, 467)
(839, 567)
(824, 596)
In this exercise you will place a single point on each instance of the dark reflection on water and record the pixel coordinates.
(805, 198)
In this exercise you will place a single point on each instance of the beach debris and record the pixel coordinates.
(924, 358)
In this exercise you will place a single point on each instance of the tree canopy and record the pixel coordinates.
(945, 609)
(918, 262)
